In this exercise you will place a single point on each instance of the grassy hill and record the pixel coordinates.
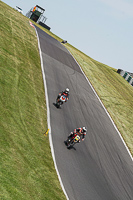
(27, 169)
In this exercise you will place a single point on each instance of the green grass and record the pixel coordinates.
(27, 168)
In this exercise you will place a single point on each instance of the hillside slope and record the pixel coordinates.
(27, 169)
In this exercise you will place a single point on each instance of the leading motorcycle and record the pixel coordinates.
(60, 100)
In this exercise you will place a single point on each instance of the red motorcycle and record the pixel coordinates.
(71, 141)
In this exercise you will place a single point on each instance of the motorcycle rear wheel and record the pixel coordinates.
(70, 144)
(58, 103)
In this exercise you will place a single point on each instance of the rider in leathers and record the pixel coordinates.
(79, 131)
(66, 93)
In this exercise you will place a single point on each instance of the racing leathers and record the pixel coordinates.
(63, 93)
(80, 132)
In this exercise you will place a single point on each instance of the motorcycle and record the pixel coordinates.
(71, 141)
(60, 100)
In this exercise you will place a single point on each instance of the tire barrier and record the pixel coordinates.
(126, 76)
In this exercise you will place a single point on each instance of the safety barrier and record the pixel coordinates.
(126, 76)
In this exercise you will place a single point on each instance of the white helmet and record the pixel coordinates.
(67, 90)
(84, 129)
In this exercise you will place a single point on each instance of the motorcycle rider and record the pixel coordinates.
(79, 131)
(66, 93)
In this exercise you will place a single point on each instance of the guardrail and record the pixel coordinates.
(126, 76)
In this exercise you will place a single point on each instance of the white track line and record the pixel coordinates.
(104, 109)
(48, 118)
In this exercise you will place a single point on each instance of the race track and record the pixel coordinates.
(99, 168)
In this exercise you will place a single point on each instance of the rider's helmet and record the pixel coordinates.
(84, 129)
(66, 90)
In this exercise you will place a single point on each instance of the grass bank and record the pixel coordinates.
(27, 168)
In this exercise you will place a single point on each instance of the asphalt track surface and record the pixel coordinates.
(99, 168)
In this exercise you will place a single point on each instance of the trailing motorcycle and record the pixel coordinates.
(60, 101)
(71, 141)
